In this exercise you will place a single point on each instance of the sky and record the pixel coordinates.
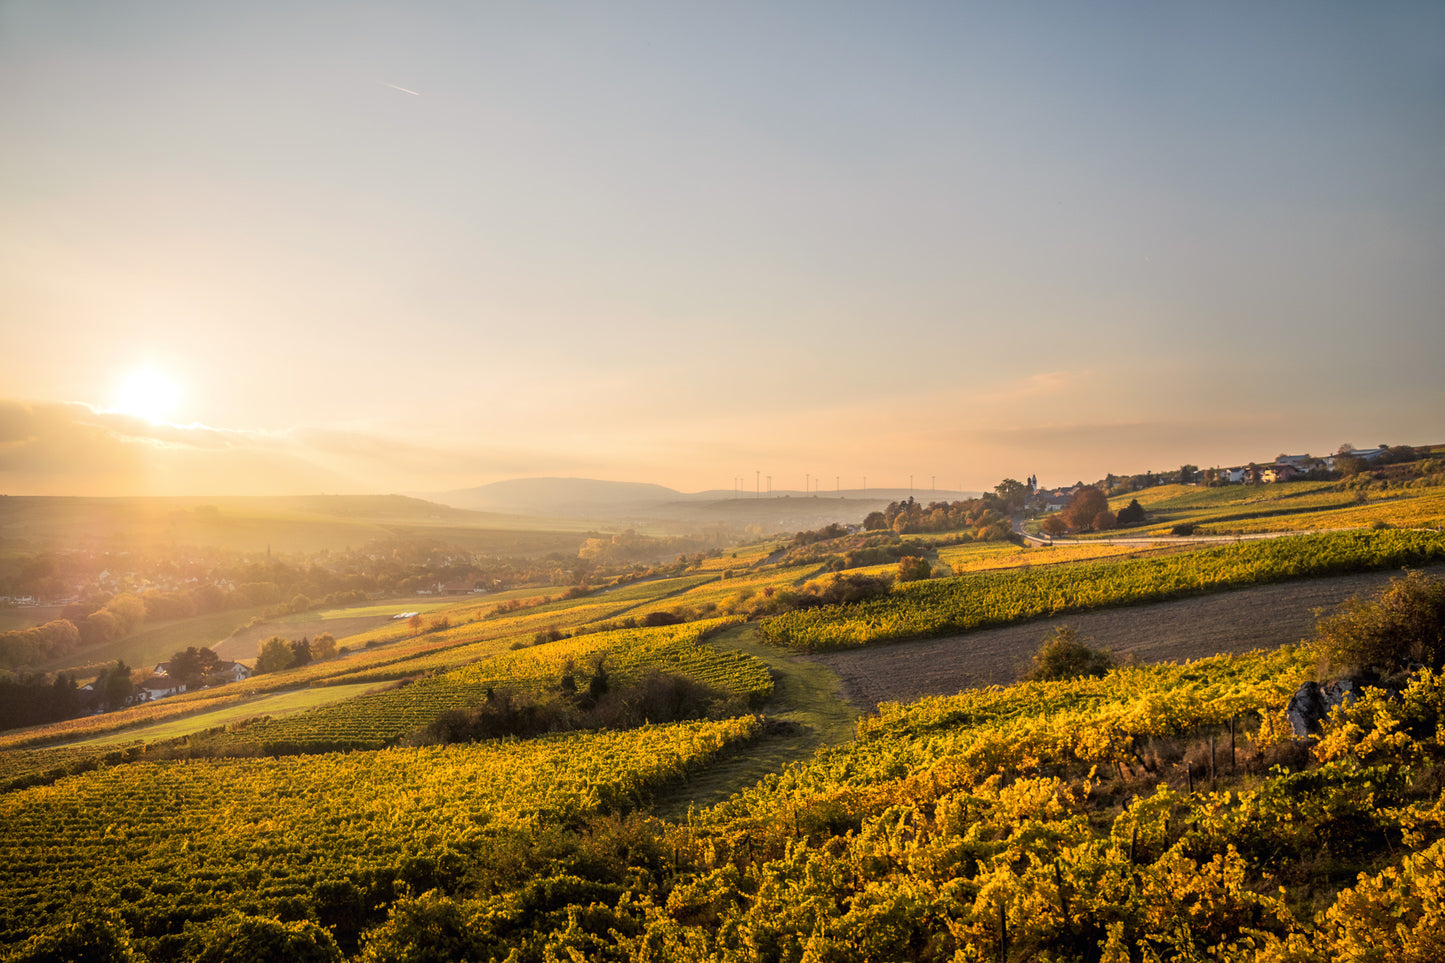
(367, 247)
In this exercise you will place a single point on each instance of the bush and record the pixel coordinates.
(655, 698)
(1054, 525)
(1403, 624)
(913, 568)
(1064, 656)
(1132, 514)
(654, 619)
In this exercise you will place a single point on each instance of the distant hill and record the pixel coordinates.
(640, 505)
(302, 523)
(571, 497)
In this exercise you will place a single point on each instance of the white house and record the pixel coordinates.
(231, 672)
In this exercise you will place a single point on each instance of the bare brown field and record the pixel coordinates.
(1234, 622)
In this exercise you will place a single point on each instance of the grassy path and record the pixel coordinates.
(807, 711)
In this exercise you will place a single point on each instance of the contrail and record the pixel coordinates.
(402, 89)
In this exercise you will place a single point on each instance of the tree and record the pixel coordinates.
(190, 668)
(1064, 655)
(1084, 507)
(301, 653)
(274, 655)
(912, 568)
(1132, 514)
(1403, 624)
(114, 686)
(1348, 465)
(1054, 525)
(129, 612)
(598, 685)
(1012, 493)
(1105, 520)
(323, 647)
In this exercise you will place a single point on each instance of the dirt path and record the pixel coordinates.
(807, 711)
(1232, 622)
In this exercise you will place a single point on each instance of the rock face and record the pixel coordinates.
(1312, 702)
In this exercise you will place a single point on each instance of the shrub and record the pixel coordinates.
(913, 568)
(1132, 514)
(1064, 656)
(1401, 625)
(1054, 525)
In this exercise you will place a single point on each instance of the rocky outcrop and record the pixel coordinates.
(1312, 702)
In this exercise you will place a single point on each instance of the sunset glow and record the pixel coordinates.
(147, 394)
(681, 244)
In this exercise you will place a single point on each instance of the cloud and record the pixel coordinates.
(1045, 384)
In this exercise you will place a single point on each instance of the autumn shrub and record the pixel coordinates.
(1065, 656)
(1402, 625)
(913, 568)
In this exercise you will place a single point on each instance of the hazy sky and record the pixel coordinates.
(380, 247)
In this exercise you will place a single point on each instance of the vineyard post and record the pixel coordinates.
(1063, 894)
(1231, 742)
(1212, 781)
(1002, 934)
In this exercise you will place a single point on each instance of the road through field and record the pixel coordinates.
(1231, 622)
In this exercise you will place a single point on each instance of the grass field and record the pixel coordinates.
(276, 706)
(156, 643)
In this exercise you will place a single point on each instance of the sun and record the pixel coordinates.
(147, 394)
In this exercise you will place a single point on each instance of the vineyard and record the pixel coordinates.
(996, 556)
(379, 719)
(1161, 812)
(939, 606)
(169, 843)
(1296, 506)
(1142, 816)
